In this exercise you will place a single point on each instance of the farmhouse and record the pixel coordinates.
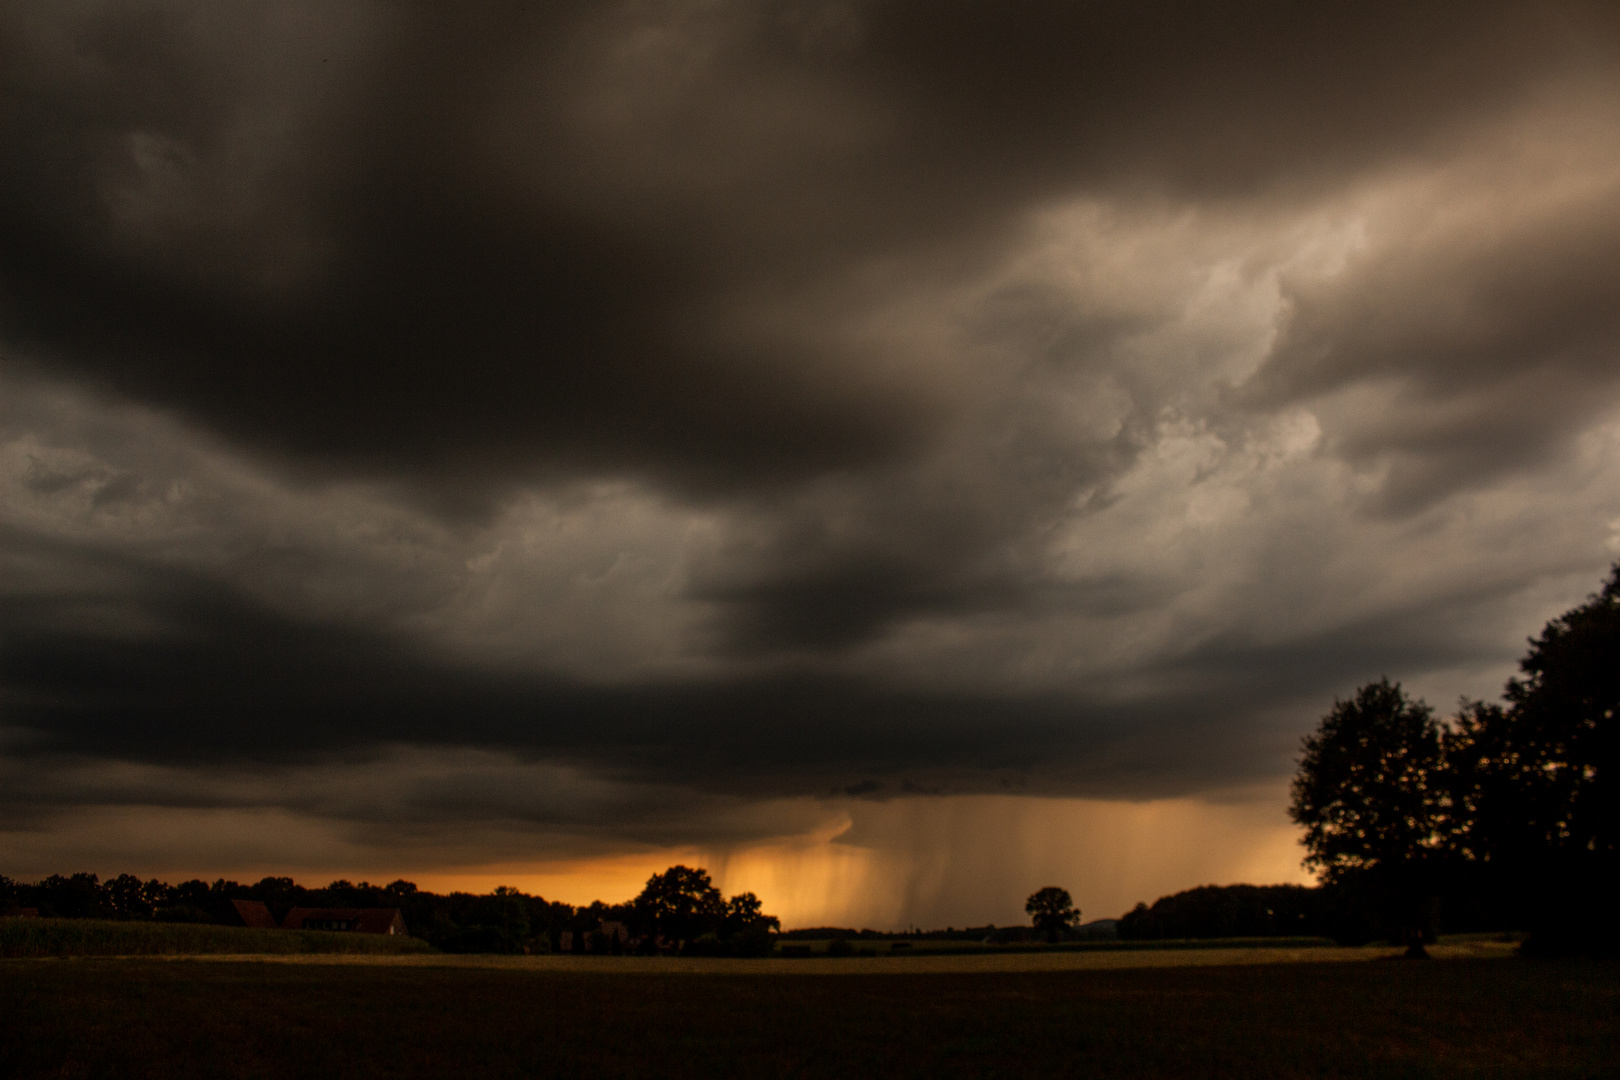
(254, 914)
(354, 920)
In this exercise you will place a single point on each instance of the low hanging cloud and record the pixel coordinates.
(654, 425)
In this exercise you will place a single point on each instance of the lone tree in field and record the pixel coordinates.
(1052, 911)
(1370, 793)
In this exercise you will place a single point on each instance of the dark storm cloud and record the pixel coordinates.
(447, 243)
(903, 497)
(167, 669)
(1499, 330)
(370, 297)
(215, 678)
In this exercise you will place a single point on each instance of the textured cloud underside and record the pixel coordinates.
(658, 414)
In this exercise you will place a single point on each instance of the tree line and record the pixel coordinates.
(679, 910)
(1503, 817)
(1233, 911)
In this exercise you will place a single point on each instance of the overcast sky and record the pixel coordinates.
(896, 452)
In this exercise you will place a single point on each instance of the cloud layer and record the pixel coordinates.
(684, 410)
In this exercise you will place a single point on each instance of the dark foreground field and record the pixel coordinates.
(146, 1018)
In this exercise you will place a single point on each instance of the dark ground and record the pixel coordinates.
(139, 1018)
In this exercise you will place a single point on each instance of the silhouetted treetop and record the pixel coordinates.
(1563, 726)
(1052, 911)
(1512, 809)
(1533, 781)
(1363, 790)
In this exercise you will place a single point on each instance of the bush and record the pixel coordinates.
(754, 941)
(482, 939)
(706, 945)
(181, 913)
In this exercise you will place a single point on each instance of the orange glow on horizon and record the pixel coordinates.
(930, 861)
(614, 879)
(963, 860)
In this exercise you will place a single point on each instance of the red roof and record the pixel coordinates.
(372, 920)
(254, 914)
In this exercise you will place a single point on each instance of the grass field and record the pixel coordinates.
(1500, 1018)
(98, 937)
(1212, 954)
(924, 946)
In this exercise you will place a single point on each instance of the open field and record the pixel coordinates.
(925, 946)
(100, 937)
(1210, 955)
(153, 1018)
(24, 938)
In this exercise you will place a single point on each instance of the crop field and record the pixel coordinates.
(384, 1017)
(99, 937)
(924, 946)
(1211, 955)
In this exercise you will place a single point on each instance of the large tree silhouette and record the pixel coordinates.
(680, 903)
(1369, 792)
(1052, 911)
(1534, 781)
